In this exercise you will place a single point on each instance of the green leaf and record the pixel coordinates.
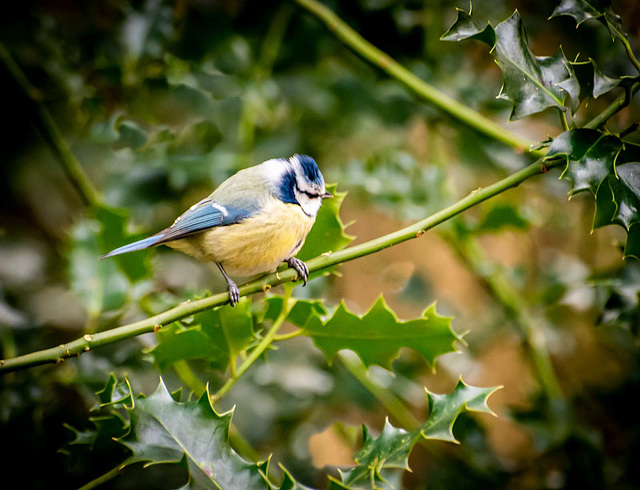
(131, 134)
(165, 431)
(299, 313)
(582, 10)
(289, 483)
(328, 232)
(114, 234)
(444, 409)
(531, 83)
(196, 139)
(391, 449)
(99, 284)
(503, 215)
(115, 393)
(217, 336)
(377, 336)
(590, 156)
(618, 202)
(465, 28)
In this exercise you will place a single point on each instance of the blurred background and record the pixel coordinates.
(160, 101)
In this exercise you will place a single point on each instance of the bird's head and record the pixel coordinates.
(302, 183)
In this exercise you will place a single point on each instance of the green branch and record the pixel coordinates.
(442, 101)
(51, 132)
(154, 323)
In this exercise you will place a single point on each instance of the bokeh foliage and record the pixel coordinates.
(160, 101)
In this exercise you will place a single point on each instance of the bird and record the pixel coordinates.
(255, 220)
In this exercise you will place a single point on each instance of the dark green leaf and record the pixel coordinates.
(618, 202)
(165, 431)
(531, 83)
(465, 28)
(590, 156)
(217, 336)
(377, 336)
(582, 10)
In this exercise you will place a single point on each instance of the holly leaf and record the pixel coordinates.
(377, 336)
(217, 335)
(444, 409)
(618, 202)
(165, 431)
(590, 157)
(583, 10)
(531, 83)
(392, 448)
(465, 28)
(328, 232)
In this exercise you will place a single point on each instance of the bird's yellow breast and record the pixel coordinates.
(256, 245)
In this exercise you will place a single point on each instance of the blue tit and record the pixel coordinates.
(255, 220)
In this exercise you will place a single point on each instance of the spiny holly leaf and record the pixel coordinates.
(618, 202)
(327, 234)
(590, 156)
(465, 28)
(165, 431)
(288, 482)
(592, 82)
(377, 336)
(218, 335)
(115, 392)
(531, 83)
(391, 449)
(582, 10)
(444, 409)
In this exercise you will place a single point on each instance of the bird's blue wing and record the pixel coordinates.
(204, 215)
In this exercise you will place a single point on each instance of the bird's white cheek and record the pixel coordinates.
(309, 206)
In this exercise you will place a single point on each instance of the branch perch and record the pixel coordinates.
(88, 342)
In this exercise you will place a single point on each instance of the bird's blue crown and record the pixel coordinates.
(310, 168)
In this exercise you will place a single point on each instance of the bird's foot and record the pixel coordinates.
(300, 267)
(234, 293)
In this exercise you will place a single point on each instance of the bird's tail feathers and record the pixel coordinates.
(133, 247)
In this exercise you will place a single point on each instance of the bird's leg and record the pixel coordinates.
(232, 287)
(300, 267)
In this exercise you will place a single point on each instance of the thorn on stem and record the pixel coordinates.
(265, 287)
(420, 233)
(543, 169)
(157, 327)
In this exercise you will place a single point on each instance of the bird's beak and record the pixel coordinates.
(326, 195)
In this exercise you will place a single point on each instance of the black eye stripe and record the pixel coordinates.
(308, 194)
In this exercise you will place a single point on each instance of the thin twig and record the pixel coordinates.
(51, 133)
(439, 99)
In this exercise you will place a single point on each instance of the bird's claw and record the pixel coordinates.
(234, 293)
(301, 268)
